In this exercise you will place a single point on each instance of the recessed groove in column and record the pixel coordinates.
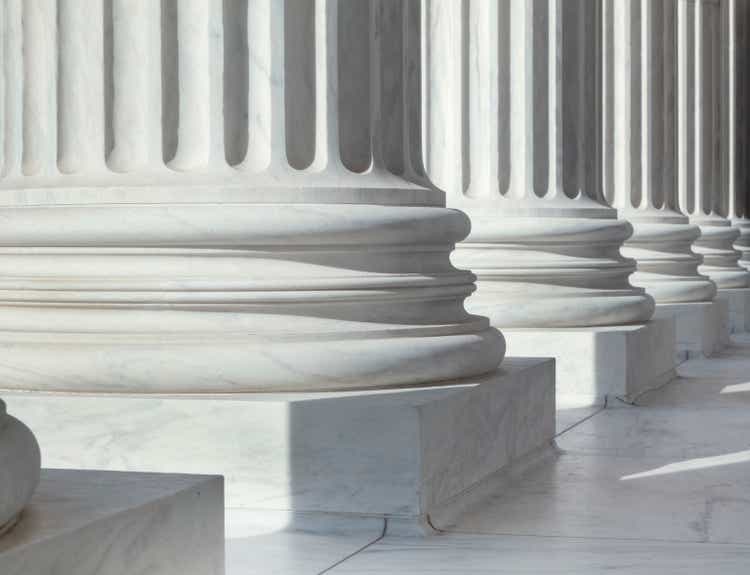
(109, 82)
(2, 87)
(170, 79)
(608, 107)
(13, 86)
(718, 199)
(686, 105)
(641, 143)
(654, 112)
(413, 130)
(577, 85)
(704, 122)
(355, 55)
(462, 132)
(237, 123)
(666, 192)
(571, 86)
(547, 142)
(39, 81)
(503, 111)
(81, 85)
(387, 66)
(300, 82)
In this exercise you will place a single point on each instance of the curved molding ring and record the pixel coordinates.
(552, 272)
(236, 298)
(667, 266)
(20, 464)
(720, 259)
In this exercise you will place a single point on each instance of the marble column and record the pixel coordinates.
(701, 194)
(199, 196)
(19, 468)
(514, 138)
(640, 148)
(736, 120)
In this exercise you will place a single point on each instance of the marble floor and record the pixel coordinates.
(663, 487)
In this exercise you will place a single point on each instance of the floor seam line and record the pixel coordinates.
(585, 419)
(357, 551)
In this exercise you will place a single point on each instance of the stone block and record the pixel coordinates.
(399, 453)
(104, 523)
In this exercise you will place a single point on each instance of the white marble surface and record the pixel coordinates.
(390, 452)
(623, 498)
(458, 554)
(661, 488)
(699, 327)
(569, 415)
(738, 304)
(279, 543)
(597, 363)
(662, 432)
(104, 523)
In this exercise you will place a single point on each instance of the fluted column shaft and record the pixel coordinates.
(513, 136)
(20, 463)
(640, 153)
(219, 210)
(702, 194)
(736, 118)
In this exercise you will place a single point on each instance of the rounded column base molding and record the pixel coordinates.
(20, 465)
(720, 259)
(236, 298)
(552, 272)
(742, 244)
(667, 267)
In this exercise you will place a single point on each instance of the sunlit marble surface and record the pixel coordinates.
(486, 555)
(663, 487)
(278, 543)
(105, 523)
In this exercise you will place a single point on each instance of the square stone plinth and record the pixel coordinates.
(738, 306)
(701, 328)
(398, 453)
(595, 364)
(104, 523)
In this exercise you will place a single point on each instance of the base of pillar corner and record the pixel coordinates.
(101, 523)
(612, 364)
(701, 328)
(405, 455)
(738, 308)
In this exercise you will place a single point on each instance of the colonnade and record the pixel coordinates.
(232, 197)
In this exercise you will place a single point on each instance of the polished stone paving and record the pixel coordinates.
(663, 487)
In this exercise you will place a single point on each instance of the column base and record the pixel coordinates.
(738, 304)
(700, 327)
(595, 364)
(402, 454)
(99, 523)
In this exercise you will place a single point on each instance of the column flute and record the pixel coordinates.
(701, 194)
(517, 146)
(640, 158)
